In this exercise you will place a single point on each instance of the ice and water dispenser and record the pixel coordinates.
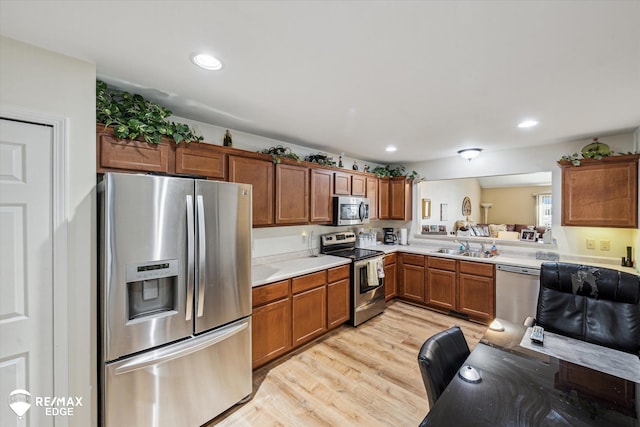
(152, 288)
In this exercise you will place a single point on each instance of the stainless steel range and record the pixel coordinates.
(367, 274)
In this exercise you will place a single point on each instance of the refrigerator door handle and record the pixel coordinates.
(190, 258)
(201, 255)
(181, 349)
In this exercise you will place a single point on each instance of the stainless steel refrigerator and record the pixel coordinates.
(175, 299)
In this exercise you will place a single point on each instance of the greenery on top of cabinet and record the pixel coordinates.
(132, 117)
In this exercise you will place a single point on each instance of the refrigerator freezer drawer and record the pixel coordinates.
(184, 384)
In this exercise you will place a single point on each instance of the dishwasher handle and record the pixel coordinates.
(519, 270)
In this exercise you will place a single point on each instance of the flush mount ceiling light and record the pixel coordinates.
(208, 62)
(469, 153)
(391, 149)
(528, 124)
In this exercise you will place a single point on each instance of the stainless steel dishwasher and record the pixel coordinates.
(516, 292)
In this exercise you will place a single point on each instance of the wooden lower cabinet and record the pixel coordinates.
(476, 287)
(441, 289)
(390, 276)
(412, 277)
(309, 318)
(442, 283)
(271, 322)
(338, 300)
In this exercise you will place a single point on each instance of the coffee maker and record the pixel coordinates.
(390, 237)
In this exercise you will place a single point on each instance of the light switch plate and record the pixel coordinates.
(605, 245)
(591, 244)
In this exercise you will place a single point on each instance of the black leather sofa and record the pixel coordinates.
(596, 305)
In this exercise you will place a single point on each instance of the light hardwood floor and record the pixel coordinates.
(364, 376)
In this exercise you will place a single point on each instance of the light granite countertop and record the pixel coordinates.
(284, 267)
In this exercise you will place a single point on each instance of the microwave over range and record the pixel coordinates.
(350, 210)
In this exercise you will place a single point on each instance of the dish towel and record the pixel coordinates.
(372, 273)
(381, 269)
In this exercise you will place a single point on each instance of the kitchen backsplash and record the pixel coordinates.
(271, 241)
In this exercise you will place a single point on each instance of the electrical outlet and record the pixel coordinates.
(605, 245)
(591, 244)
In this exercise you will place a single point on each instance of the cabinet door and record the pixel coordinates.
(309, 315)
(342, 184)
(372, 195)
(412, 282)
(292, 194)
(477, 297)
(201, 159)
(358, 186)
(383, 198)
(258, 173)
(271, 331)
(337, 303)
(390, 281)
(400, 198)
(321, 189)
(441, 289)
(601, 193)
(119, 155)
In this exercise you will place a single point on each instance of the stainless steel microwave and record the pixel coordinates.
(350, 210)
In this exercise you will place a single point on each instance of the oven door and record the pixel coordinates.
(367, 291)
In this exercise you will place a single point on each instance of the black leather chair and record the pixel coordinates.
(439, 359)
(596, 305)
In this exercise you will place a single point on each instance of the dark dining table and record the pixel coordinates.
(523, 387)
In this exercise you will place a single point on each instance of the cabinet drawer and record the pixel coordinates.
(390, 259)
(271, 292)
(477, 268)
(441, 263)
(337, 273)
(413, 259)
(309, 281)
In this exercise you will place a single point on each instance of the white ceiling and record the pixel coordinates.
(430, 77)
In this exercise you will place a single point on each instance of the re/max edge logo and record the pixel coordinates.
(20, 401)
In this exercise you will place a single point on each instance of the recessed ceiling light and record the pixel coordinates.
(208, 62)
(528, 124)
(391, 149)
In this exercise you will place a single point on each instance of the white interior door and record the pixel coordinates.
(26, 268)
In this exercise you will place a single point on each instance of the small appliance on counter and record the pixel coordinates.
(390, 237)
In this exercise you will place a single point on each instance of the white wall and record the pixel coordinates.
(451, 193)
(571, 240)
(35, 80)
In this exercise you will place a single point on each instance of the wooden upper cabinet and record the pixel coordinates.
(383, 198)
(201, 159)
(321, 209)
(358, 186)
(342, 184)
(259, 173)
(400, 198)
(601, 193)
(292, 194)
(372, 195)
(125, 155)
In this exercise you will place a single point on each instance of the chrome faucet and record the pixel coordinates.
(466, 245)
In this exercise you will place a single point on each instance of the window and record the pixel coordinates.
(543, 210)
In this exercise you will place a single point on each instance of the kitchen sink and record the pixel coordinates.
(449, 251)
(470, 253)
